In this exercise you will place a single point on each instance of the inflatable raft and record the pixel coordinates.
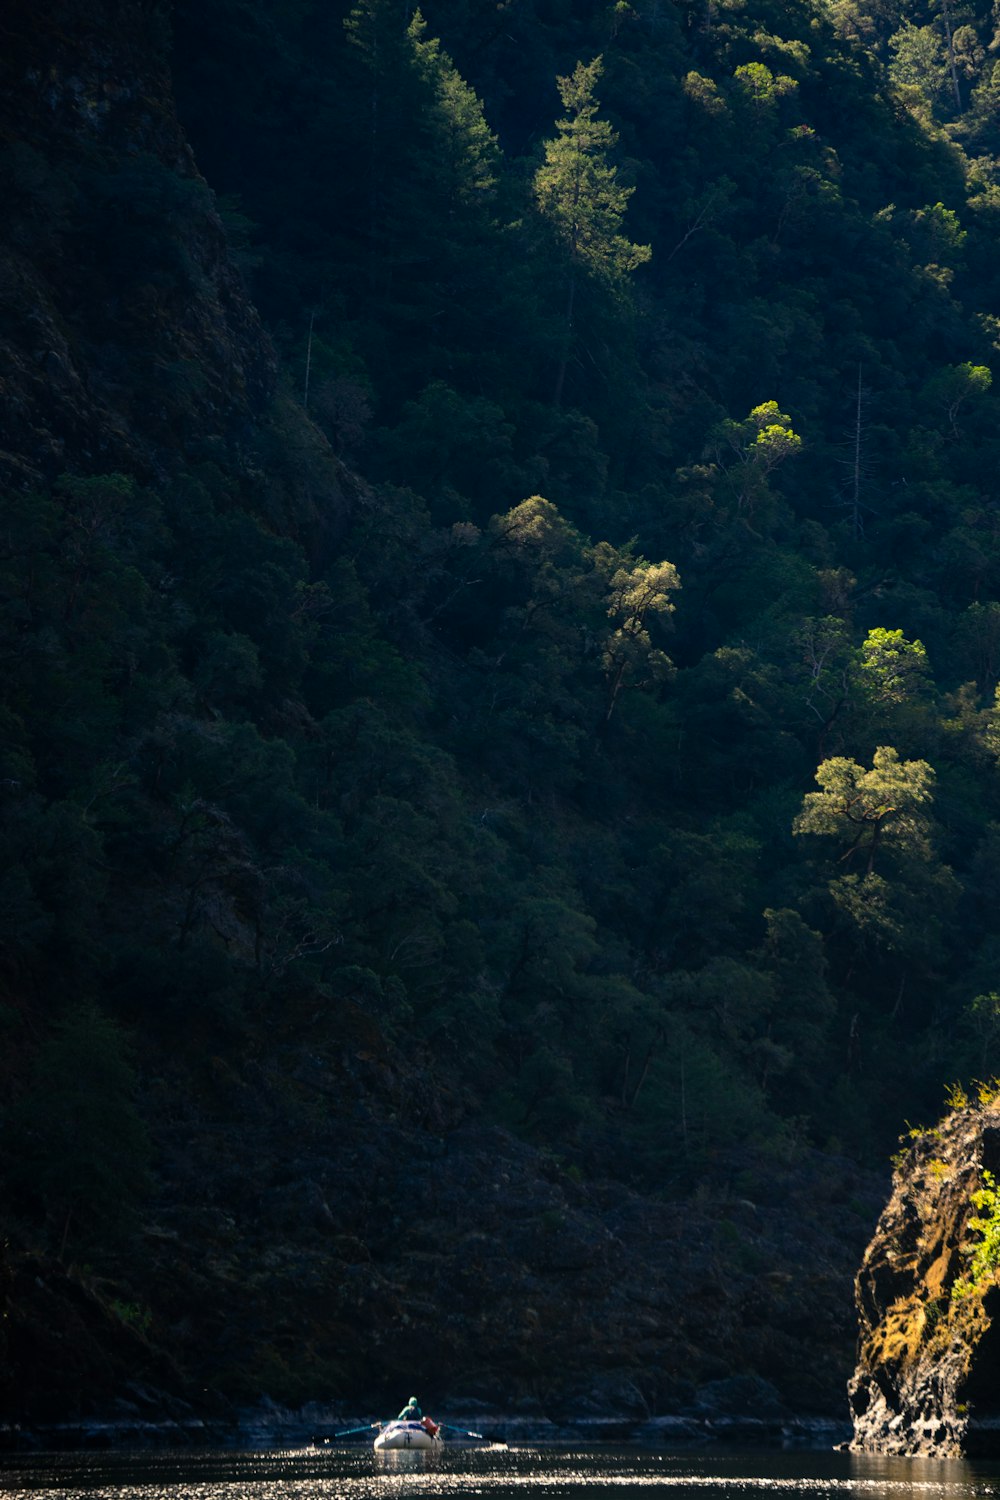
(406, 1435)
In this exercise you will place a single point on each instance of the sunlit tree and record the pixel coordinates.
(863, 810)
(578, 192)
(637, 594)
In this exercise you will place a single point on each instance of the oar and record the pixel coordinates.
(464, 1431)
(350, 1431)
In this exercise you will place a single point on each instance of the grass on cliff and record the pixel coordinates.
(984, 1258)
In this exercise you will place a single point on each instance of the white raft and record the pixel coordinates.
(405, 1435)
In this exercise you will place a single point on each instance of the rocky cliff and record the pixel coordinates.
(125, 334)
(928, 1376)
(327, 1223)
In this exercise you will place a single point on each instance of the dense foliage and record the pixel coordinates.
(632, 744)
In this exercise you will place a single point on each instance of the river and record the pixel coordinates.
(495, 1472)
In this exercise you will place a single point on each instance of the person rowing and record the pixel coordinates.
(411, 1413)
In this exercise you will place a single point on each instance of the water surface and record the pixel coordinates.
(495, 1472)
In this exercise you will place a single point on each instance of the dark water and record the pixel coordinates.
(495, 1472)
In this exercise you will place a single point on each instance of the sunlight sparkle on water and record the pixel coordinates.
(496, 1473)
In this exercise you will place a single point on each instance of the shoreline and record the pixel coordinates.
(274, 1428)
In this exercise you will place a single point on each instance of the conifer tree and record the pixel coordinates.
(451, 205)
(466, 152)
(578, 192)
(429, 167)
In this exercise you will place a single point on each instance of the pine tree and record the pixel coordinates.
(429, 169)
(578, 192)
(467, 157)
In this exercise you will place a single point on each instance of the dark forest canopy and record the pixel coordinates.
(585, 669)
(717, 282)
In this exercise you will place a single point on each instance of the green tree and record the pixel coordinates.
(638, 592)
(468, 157)
(761, 88)
(919, 61)
(956, 388)
(891, 668)
(748, 452)
(865, 809)
(431, 268)
(578, 192)
(453, 231)
(893, 689)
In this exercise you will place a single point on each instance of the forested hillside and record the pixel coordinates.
(500, 553)
(662, 337)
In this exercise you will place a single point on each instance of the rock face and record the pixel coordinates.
(927, 1381)
(125, 334)
(337, 1252)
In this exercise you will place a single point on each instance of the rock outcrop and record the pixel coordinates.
(927, 1381)
(126, 336)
